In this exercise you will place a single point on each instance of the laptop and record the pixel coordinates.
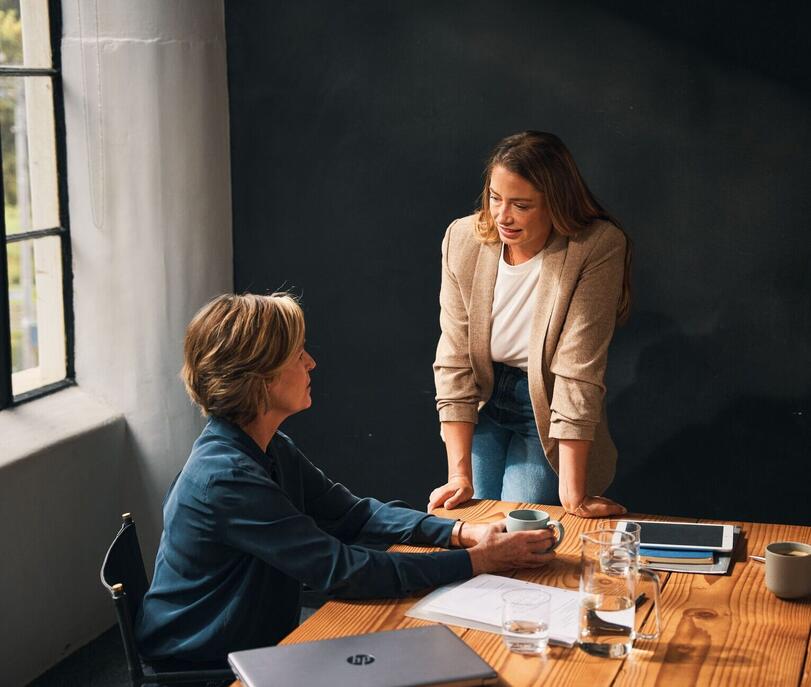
(400, 658)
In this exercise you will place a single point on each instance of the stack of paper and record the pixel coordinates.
(718, 566)
(477, 604)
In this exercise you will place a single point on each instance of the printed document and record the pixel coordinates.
(477, 604)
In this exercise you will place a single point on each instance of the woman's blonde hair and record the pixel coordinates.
(234, 346)
(545, 162)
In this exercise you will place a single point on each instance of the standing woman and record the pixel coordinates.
(532, 287)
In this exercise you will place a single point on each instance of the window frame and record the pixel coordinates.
(54, 72)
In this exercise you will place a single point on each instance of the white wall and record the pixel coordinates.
(150, 219)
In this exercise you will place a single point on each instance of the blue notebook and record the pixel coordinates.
(648, 552)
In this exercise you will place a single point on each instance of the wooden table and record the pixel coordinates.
(716, 629)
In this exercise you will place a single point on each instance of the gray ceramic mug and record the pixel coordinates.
(788, 569)
(526, 519)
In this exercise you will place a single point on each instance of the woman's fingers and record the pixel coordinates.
(455, 491)
(538, 540)
(446, 496)
(600, 507)
(609, 507)
(437, 496)
(531, 547)
(499, 525)
(453, 500)
(460, 496)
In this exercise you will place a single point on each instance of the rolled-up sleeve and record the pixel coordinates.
(579, 362)
(457, 393)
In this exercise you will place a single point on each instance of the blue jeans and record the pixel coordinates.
(509, 463)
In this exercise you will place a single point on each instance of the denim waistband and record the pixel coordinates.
(502, 369)
(510, 400)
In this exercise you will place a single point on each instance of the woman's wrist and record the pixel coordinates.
(458, 445)
(459, 474)
(472, 534)
(459, 465)
(466, 534)
(456, 532)
(571, 496)
(573, 458)
(573, 506)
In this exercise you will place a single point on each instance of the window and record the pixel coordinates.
(35, 277)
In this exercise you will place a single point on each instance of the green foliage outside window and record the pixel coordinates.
(10, 53)
(10, 89)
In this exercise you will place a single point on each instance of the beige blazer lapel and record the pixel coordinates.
(481, 306)
(554, 256)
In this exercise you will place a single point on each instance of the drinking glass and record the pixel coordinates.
(525, 620)
(609, 577)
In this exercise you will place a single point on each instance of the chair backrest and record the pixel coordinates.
(124, 565)
(124, 575)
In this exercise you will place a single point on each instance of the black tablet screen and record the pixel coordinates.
(672, 534)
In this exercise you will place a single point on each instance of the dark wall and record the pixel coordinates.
(359, 131)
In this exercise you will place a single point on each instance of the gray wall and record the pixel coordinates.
(149, 198)
(359, 131)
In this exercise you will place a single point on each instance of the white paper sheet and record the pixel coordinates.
(477, 604)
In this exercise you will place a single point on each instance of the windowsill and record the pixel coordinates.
(33, 378)
(32, 427)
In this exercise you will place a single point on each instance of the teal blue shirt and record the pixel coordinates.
(244, 529)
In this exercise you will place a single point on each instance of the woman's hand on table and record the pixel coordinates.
(497, 550)
(595, 507)
(456, 490)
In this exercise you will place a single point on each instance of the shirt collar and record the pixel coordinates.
(220, 427)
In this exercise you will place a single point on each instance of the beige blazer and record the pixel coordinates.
(578, 292)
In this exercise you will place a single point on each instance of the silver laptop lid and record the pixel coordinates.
(400, 658)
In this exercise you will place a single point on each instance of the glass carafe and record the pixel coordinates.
(609, 579)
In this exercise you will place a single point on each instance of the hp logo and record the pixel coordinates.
(360, 659)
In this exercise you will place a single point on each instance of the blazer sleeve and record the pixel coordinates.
(457, 393)
(580, 359)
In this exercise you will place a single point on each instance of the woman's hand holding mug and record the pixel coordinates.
(498, 550)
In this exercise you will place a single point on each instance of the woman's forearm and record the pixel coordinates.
(573, 456)
(459, 443)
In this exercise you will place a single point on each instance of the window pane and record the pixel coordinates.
(37, 315)
(24, 33)
(29, 153)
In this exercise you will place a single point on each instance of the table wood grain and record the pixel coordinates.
(716, 629)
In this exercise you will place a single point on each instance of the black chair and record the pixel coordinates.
(124, 576)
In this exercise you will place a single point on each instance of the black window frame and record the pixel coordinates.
(54, 72)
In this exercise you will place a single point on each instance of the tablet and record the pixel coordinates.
(685, 535)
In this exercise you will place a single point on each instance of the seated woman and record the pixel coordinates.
(249, 519)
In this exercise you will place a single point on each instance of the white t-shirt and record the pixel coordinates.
(513, 306)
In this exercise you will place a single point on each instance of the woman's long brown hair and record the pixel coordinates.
(543, 160)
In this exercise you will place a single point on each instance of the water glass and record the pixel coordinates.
(525, 620)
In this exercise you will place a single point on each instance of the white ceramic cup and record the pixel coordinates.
(527, 519)
(788, 569)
